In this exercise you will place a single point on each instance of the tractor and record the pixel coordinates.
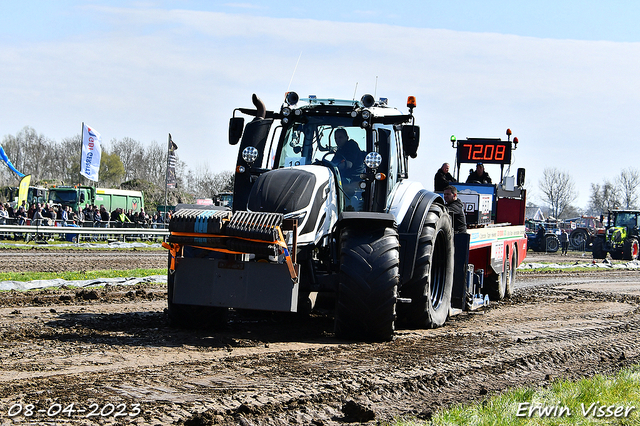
(324, 216)
(620, 236)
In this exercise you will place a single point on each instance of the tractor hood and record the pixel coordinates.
(305, 193)
(617, 234)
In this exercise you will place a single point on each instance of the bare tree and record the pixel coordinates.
(627, 183)
(595, 206)
(30, 153)
(69, 159)
(604, 197)
(111, 169)
(155, 160)
(131, 154)
(558, 190)
(207, 184)
(125, 163)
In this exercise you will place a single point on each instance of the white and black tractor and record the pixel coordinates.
(306, 232)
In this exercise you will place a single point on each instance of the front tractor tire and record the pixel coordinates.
(431, 284)
(368, 288)
(599, 251)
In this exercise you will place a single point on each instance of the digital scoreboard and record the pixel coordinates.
(490, 151)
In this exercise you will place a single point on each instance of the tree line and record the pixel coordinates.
(558, 192)
(125, 164)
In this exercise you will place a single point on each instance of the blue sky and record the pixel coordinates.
(561, 74)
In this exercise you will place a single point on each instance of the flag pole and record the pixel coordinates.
(81, 143)
(166, 178)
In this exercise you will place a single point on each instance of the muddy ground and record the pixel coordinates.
(111, 352)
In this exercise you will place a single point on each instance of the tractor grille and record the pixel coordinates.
(199, 221)
(221, 227)
(255, 226)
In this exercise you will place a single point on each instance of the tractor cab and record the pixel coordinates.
(361, 148)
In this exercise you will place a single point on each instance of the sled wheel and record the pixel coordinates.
(511, 274)
(495, 285)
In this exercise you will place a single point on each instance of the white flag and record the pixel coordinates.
(91, 150)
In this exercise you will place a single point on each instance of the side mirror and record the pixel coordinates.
(520, 178)
(82, 197)
(236, 124)
(410, 140)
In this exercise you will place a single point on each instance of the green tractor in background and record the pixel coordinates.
(620, 236)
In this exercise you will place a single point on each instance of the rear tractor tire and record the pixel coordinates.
(551, 243)
(368, 288)
(579, 239)
(630, 249)
(432, 281)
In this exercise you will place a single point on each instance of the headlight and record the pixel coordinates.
(373, 160)
(291, 98)
(299, 216)
(366, 114)
(286, 111)
(250, 154)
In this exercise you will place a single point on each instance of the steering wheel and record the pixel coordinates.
(337, 158)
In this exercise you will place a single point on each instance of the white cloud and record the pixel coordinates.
(572, 103)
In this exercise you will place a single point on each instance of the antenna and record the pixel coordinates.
(375, 91)
(294, 71)
(354, 91)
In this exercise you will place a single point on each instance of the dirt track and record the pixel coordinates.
(113, 346)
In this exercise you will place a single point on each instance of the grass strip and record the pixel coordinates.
(576, 269)
(80, 275)
(602, 399)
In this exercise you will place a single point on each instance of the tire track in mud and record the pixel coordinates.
(265, 372)
(49, 260)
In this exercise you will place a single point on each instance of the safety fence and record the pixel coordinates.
(75, 233)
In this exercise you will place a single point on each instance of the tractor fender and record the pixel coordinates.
(366, 220)
(410, 227)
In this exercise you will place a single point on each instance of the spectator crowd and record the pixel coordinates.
(90, 216)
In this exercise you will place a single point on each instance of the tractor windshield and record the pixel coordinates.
(306, 143)
(626, 219)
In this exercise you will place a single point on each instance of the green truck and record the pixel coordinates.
(78, 197)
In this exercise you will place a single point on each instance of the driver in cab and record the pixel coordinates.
(348, 157)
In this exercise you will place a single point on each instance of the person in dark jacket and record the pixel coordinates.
(443, 178)
(349, 156)
(104, 216)
(456, 209)
(479, 175)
